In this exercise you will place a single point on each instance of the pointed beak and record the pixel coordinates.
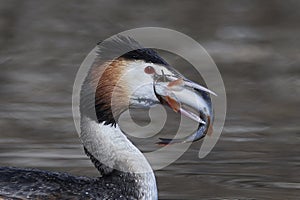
(187, 98)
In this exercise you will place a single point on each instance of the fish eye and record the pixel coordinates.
(149, 70)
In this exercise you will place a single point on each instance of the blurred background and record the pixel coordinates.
(255, 45)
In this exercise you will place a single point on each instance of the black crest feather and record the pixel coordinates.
(125, 47)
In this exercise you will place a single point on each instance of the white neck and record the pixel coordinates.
(111, 147)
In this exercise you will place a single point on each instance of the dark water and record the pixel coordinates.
(255, 44)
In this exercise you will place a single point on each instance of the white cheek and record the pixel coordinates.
(136, 78)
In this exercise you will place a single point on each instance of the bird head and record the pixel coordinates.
(140, 78)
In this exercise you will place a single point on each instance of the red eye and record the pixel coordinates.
(149, 70)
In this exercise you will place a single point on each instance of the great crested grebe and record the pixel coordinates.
(116, 158)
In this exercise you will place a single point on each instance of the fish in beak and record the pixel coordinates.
(187, 98)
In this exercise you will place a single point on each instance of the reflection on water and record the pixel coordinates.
(254, 43)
